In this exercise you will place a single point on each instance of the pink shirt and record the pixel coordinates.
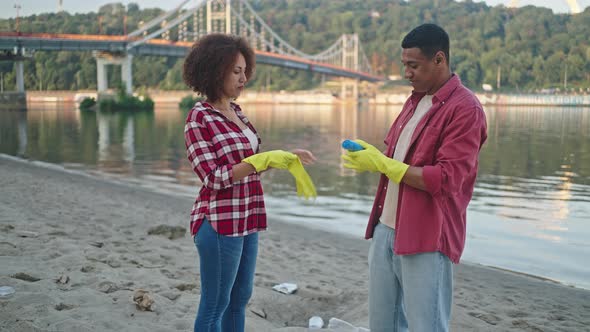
(446, 143)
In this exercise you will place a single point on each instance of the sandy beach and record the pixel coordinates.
(76, 248)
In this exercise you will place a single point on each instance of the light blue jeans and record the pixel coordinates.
(227, 267)
(409, 292)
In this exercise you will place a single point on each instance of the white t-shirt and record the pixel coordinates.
(401, 148)
(252, 138)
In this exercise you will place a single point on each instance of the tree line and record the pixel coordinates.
(511, 49)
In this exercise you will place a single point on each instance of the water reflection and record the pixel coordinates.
(118, 145)
(530, 207)
(22, 134)
(103, 138)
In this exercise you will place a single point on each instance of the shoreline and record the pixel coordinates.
(323, 97)
(53, 218)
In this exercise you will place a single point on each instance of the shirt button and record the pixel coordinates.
(379, 206)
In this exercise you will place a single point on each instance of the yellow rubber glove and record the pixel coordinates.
(371, 159)
(275, 159)
(303, 182)
(284, 160)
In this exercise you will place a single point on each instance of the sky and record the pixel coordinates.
(30, 7)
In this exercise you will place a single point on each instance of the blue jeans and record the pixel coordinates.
(409, 292)
(227, 267)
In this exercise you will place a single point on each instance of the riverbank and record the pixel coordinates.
(318, 97)
(76, 248)
(13, 101)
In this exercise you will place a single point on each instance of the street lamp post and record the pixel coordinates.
(565, 73)
(17, 7)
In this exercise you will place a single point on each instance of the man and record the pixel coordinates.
(429, 168)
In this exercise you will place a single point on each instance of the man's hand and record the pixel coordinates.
(372, 160)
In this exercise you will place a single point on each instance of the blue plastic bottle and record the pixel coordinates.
(351, 145)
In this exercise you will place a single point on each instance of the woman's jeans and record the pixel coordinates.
(409, 292)
(227, 267)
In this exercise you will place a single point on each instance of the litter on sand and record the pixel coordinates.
(316, 323)
(338, 325)
(285, 288)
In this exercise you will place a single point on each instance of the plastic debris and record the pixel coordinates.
(285, 288)
(316, 323)
(6, 291)
(339, 325)
(27, 234)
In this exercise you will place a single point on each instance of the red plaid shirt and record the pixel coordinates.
(213, 145)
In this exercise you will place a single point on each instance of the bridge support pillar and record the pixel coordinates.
(368, 90)
(101, 75)
(20, 76)
(125, 61)
(15, 100)
(349, 88)
(127, 73)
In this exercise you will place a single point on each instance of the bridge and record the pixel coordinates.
(173, 33)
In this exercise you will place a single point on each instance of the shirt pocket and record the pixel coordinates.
(426, 146)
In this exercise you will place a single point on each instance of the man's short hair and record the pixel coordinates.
(429, 38)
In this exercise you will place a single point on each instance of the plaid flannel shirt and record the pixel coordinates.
(213, 145)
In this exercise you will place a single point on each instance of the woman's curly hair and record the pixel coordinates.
(211, 59)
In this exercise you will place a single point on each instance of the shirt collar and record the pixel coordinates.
(233, 105)
(443, 93)
(210, 106)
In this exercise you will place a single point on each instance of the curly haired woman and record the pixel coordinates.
(223, 148)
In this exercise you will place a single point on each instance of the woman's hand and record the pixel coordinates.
(306, 157)
(275, 159)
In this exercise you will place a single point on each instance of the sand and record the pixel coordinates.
(76, 248)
